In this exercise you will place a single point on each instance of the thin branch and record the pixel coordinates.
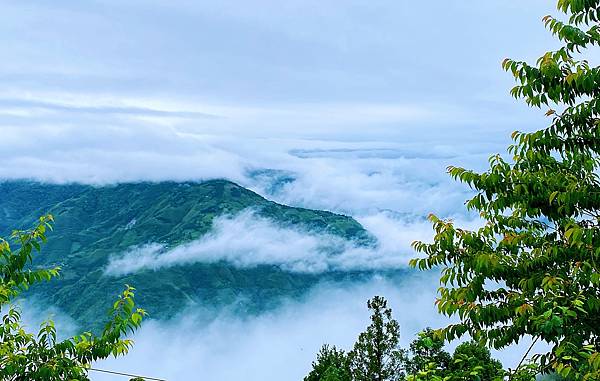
(523, 358)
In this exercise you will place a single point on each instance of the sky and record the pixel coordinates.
(364, 103)
(358, 106)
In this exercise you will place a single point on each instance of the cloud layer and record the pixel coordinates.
(364, 116)
(281, 345)
(248, 240)
(275, 346)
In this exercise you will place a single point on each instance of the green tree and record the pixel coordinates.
(534, 267)
(25, 356)
(473, 360)
(331, 365)
(376, 355)
(427, 360)
(426, 352)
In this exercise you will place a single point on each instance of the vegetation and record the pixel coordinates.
(533, 269)
(93, 223)
(377, 356)
(42, 356)
(471, 359)
(426, 354)
(331, 365)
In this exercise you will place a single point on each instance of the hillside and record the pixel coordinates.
(95, 223)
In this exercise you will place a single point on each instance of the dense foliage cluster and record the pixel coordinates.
(331, 365)
(30, 357)
(428, 361)
(377, 356)
(533, 269)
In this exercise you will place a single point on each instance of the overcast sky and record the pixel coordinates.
(401, 61)
(358, 100)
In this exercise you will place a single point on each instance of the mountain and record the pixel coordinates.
(92, 224)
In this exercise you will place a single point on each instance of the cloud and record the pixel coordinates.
(365, 118)
(281, 344)
(278, 345)
(35, 311)
(356, 159)
(47, 107)
(268, 51)
(248, 240)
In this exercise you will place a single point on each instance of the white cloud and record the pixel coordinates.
(278, 345)
(248, 240)
(356, 158)
(35, 312)
(281, 344)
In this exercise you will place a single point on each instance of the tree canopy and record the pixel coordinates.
(331, 365)
(533, 268)
(377, 356)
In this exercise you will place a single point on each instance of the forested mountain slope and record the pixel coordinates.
(93, 224)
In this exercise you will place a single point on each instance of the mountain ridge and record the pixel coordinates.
(95, 222)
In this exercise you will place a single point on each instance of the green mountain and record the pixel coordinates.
(95, 223)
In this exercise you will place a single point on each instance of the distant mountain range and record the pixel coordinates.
(95, 223)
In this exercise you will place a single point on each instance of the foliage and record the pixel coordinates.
(534, 267)
(550, 377)
(428, 360)
(426, 353)
(98, 222)
(42, 356)
(331, 365)
(376, 355)
(472, 360)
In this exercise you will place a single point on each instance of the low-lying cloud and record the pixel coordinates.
(247, 240)
(281, 344)
(278, 345)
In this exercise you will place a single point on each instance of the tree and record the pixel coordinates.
(376, 355)
(331, 365)
(472, 360)
(25, 356)
(428, 360)
(534, 267)
(426, 353)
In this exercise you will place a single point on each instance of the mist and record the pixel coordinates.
(278, 345)
(281, 344)
(247, 240)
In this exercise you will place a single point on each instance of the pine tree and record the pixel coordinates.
(376, 355)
